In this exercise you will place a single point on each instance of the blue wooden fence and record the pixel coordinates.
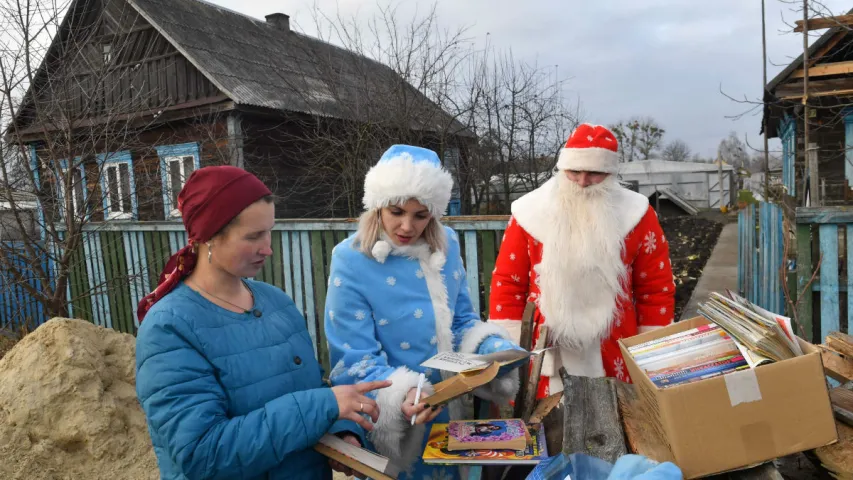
(18, 307)
(760, 252)
(825, 236)
(118, 263)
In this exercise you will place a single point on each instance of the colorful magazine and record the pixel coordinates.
(436, 452)
(508, 434)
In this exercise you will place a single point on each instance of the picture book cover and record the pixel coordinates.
(508, 434)
(437, 453)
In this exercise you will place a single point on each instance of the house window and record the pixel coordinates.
(177, 163)
(117, 186)
(78, 187)
(107, 50)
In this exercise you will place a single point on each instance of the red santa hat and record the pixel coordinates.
(591, 148)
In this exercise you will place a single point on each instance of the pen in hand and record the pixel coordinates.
(421, 379)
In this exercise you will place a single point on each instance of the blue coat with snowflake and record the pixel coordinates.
(387, 314)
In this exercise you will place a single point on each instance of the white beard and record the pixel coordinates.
(582, 273)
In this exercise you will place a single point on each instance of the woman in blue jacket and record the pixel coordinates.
(397, 296)
(226, 372)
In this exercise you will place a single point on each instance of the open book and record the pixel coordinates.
(460, 384)
(359, 459)
(458, 362)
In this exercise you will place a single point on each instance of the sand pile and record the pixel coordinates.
(68, 408)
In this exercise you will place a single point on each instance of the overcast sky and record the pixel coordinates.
(667, 59)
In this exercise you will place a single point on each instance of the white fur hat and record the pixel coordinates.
(405, 172)
(591, 148)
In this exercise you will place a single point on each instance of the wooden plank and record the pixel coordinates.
(841, 343)
(592, 423)
(741, 255)
(308, 284)
(804, 274)
(92, 279)
(101, 281)
(824, 69)
(489, 257)
(842, 402)
(329, 245)
(471, 267)
(821, 215)
(779, 262)
(829, 312)
(817, 88)
(820, 23)
(318, 273)
(151, 270)
(764, 258)
(754, 254)
(128, 307)
(287, 263)
(107, 253)
(296, 260)
(134, 269)
(836, 367)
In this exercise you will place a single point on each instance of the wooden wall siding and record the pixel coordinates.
(760, 256)
(120, 262)
(825, 235)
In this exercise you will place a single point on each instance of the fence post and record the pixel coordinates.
(804, 274)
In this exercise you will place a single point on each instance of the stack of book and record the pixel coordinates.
(486, 442)
(703, 352)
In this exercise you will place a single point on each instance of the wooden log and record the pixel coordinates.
(535, 372)
(820, 23)
(836, 367)
(526, 342)
(842, 403)
(841, 343)
(592, 424)
(838, 457)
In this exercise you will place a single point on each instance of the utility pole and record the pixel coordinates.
(814, 181)
(764, 101)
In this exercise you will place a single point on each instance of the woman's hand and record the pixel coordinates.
(425, 414)
(339, 467)
(352, 402)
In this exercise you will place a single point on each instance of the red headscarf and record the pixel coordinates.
(211, 198)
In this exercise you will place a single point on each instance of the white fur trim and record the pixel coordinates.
(396, 181)
(534, 211)
(513, 327)
(649, 328)
(431, 267)
(381, 250)
(500, 390)
(392, 435)
(592, 159)
(472, 339)
(585, 363)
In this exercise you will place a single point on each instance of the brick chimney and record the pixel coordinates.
(279, 20)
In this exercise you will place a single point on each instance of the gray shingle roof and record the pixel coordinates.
(259, 64)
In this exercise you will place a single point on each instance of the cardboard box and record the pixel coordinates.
(740, 419)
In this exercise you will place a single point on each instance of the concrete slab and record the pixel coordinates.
(720, 272)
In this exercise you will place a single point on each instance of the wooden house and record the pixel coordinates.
(134, 95)
(830, 122)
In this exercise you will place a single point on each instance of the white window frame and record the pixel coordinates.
(60, 186)
(175, 153)
(110, 161)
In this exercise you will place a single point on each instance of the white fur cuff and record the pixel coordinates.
(392, 435)
(474, 337)
(501, 390)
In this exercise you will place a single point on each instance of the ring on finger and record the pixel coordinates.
(360, 407)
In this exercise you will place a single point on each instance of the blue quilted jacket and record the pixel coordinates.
(229, 395)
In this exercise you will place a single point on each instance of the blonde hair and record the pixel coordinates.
(370, 229)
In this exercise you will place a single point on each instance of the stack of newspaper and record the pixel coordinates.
(761, 336)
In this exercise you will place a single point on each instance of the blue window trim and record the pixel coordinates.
(165, 152)
(848, 143)
(34, 167)
(123, 156)
(788, 136)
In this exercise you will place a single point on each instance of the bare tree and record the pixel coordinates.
(638, 138)
(73, 98)
(676, 151)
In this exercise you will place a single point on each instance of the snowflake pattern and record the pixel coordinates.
(405, 346)
(618, 321)
(650, 242)
(665, 289)
(500, 284)
(663, 310)
(337, 281)
(360, 315)
(619, 368)
(391, 281)
(456, 275)
(498, 344)
(359, 368)
(383, 322)
(347, 346)
(516, 279)
(661, 265)
(643, 274)
(518, 297)
(420, 273)
(419, 313)
(433, 340)
(646, 296)
(331, 315)
(499, 308)
(338, 369)
(589, 138)
(535, 243)
(512, 256)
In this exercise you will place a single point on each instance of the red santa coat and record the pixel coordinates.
(650, 298)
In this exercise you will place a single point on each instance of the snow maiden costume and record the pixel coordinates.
(387, 314)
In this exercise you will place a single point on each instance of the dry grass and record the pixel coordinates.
(7, 341)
